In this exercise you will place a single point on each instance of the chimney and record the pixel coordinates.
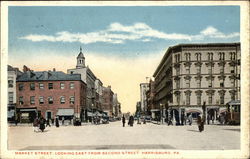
(54, 69)
(25, 68)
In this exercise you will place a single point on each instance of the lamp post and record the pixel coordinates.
(161, 112)
(92, 121)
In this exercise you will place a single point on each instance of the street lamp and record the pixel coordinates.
(161, 111)
(92, 113)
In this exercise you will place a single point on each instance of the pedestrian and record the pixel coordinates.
(200, 123)
(182, 118)
(57, 122)
(185, 119)
(123, 121)
(35, 125)
(48, 122)
(62, 120)
(208, 119)
(131, 120)
(42, 124)
(190, 119)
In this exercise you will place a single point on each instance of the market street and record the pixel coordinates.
(114, 136)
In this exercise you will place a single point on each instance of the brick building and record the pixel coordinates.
(50, 94)
(107, 104)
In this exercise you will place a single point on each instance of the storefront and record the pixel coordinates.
(27, 115)
(66, 114)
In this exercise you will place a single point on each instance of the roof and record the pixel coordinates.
(48, 76)
(80, 55)
(176, 48)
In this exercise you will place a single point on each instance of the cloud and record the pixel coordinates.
(117, 33)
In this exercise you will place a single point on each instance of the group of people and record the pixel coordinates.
(39, 124)
(130, 121)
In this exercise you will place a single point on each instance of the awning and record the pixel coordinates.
(27, 110)
(155, 110)
(193, 111)
(65, 112)
(234, 102)
(89, 114)
(222, 110)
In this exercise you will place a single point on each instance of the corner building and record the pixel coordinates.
(192, 74)
(50, 94)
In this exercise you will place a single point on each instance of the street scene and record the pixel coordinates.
(114, 136)
(155, 77)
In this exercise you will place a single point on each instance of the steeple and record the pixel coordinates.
(80, 60)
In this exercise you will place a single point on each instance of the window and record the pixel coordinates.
(198, 99)
(41, 86)
(41, 100)
(62, 100)
(210, 83)
(178, 57)
(177, 84)
(221, 99)
(10, 83)
(50, 85)
(233, 96)
(20, 87)
(72, 100)
(11, 95)
(72, 85)
(210, 99)
(222, 84)
(232, 56)
(232, 69)
(222, 55)
(221, 69)
(188, 56)
(188, 99)
(188, 70)
(21, 100)
(178, 99)
(176, 60)
(177, 71)
(32, 100)
(50, 100)
(198, 69)
(187, 83)
(198, 83)
(62, 85)
(32, 86)
(209, 70)
(232, 83)
(210, 56)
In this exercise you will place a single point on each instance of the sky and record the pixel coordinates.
(122, 45)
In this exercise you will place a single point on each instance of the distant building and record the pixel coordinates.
(143, 98)
(50, 94)
(152, 109)
(107, 104)
(192, 74)
(88, 77)
(99, 93)
(13, 74)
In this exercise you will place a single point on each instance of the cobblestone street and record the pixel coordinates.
(114, 136)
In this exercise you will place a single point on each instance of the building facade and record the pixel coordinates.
(13, 74)
(192, 75)
(108, 101)
(143, 97)
(88, 77)
(50, 94)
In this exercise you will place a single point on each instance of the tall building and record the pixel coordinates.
(107, 104)
(50, 94)
(13, 74)
(88, 77)
(190, 75)
(143, 97)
